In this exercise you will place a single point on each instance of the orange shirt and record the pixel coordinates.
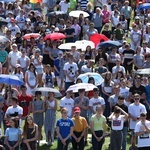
(79, 124)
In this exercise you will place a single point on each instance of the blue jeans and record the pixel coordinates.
(107, 106)
(124, 131)
(98, 29)
(12, 143)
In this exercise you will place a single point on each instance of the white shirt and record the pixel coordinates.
(23, 61)
(117, 123)
(11, 110)
(94, 102)
(67, 103)
(64, 6)
(86, 69)
(143, 140)
(14, 30)
(71, 69)
(135, 110)
(14, 57)
(21, 21)
(115, 69)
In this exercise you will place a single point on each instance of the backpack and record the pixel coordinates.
(133, 147)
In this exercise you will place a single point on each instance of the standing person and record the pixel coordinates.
(79, 129)
(142, 130)
(83, 103)
(98, 128)
(126, 10)
(64, 130)
(49, 124)
(37, 59)
(71, 72)
(30, 134)
(135, 109)
(121, 105)
(97, 19)
(31, 79)
(38, 109)
(13, 135)
(117, 121)
(24, 100)
(96, 100)
(67, 102)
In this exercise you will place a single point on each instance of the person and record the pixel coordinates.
(96, 100)
(117, 121)
(98, 128)
(38, 109)
(13, 135)
(71, 71)
(30, 134)
(135, 109)
(64, 130)
(31, 78)
(24, 100)
(67, 102)
(121, 104)
(50, 112)
(142, 130)
(79, 129)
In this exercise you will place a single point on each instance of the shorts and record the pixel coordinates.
(39, 70)
(5, 64)
(132, 132)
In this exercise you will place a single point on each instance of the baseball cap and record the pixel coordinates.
(77, 109)
(17, 66)
(60, 53)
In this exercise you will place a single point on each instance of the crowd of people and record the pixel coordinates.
(121, 101)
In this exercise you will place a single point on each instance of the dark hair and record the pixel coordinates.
(91, 78)
(38, 92)
(120, 97)
(122, 18)
(116, 110)
(15, 99)
(15, 121)
(23, 86)
(142, 115)
(31, 64)
(106, 81)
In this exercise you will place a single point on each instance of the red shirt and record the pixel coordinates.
(24, 102)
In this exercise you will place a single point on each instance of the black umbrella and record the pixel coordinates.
(3, 21)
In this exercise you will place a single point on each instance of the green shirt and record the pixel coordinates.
(3, 56)
(98, 123)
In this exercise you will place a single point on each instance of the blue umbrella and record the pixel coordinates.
(109, 43)
(97, 78)
(7, 1)
(144, 6)
(10, 79)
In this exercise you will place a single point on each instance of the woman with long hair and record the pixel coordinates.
(119, 76)
(88, 53)
(31, 78)
(13, 135)
(107, 90)
(48, 77)
(38, 108)
(98, 128)
(50, 118)
(30, 134)
(85, 28)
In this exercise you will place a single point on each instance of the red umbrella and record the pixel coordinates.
(31, 35)
(97, 38)
(54, 36)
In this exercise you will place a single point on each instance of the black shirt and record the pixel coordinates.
(69, 31)
(128, 56)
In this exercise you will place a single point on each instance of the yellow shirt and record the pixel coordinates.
(98, 123)
(79, 124)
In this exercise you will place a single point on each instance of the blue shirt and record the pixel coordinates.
(148, 93)
(64, 126)
(13, 133)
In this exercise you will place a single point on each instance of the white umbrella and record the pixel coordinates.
(67, 46)
(85, 43)
(145, 71)
(45, 91)
(3, 39)
(76, 13)
(78, 86)
(85, 77)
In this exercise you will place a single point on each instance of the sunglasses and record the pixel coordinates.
(136, 98)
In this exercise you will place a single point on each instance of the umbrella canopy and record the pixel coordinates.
(55, 13)
(85, 43)
(31, 35)
(67, 46)
(3, 39)
(143, 71)
(78, 86)
(10, 79)
(3, 21)
(144, 6)
(109, 43)
(54, 36)
(76, 13)
(46, 90)
(8, 1)
(97, 78)
(97, 38)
